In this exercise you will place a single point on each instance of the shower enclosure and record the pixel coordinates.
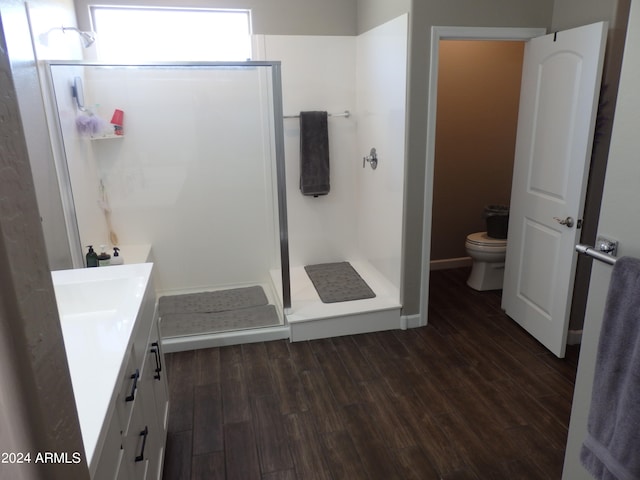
(193, 179)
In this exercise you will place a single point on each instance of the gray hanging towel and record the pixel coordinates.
(314, 153)
(611, 449)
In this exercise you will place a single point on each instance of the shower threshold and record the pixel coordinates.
(309, 318)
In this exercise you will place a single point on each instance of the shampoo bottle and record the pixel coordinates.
(104, 258)
(116, 258)
(92, 257)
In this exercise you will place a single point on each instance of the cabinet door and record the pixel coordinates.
(111, 453)
(136, 443)
(155, 403)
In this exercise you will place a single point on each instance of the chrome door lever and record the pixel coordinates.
(567, 222)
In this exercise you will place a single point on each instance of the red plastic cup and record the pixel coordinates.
(116, 120)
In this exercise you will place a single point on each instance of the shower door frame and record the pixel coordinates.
(64, 179)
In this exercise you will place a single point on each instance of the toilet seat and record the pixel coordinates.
(481, 239)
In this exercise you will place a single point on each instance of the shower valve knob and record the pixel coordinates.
(372, 158)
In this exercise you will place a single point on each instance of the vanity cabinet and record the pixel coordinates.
(110, 328)
(135, 429)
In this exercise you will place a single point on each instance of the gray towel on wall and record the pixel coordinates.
(314, 153)
(612, 447)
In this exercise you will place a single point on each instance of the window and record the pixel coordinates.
(171, 34)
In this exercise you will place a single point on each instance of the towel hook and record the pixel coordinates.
(372, 158)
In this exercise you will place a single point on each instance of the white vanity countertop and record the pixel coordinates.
(98, 309)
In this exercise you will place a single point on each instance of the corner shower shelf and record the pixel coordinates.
(105, 137)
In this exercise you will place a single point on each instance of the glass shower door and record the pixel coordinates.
(198, 173)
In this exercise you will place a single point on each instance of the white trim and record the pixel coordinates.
(411, 321)
(447, 263)
(485, 33)
(437, 34)
(194, 342)
(348, 324)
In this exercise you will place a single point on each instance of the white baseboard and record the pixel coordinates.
(450, 263)
(574, 337)
(410, 321)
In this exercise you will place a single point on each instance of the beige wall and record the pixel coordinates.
(272, 17)
(478, 96)
(372, 13)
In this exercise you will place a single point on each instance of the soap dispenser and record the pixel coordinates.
(116, 258)
(92, 257)
(104, 258)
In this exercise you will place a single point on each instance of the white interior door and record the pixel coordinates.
(560, 89)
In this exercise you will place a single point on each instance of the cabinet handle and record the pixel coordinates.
(144, 433)
(156, 350)
(132, 395)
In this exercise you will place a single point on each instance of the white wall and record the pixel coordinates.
(318, 73)
(619, 220)
(381, 91)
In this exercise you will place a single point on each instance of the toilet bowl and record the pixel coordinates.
(488, 254)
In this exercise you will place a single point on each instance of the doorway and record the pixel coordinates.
(438, 34)
(477, 117)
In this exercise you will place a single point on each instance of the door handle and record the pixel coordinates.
(567, 222)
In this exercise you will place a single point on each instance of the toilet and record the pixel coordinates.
(488, 255)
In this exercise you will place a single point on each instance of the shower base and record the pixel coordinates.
(309, 318)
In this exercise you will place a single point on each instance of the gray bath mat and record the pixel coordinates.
(181, 324)
(338, 282)
(218, 301)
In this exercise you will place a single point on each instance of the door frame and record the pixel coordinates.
(449, 33)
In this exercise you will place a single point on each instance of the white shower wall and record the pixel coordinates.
(381, 106)
(318, 73)
(361, 218)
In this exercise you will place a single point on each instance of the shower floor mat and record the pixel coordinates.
(217, 311)
(338, 282)
(217, 301)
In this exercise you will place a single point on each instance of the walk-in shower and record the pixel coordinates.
(192, 178)
(186, 162)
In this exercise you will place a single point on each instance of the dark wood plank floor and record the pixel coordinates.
(471, 396)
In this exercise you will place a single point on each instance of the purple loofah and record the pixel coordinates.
(90, 124)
